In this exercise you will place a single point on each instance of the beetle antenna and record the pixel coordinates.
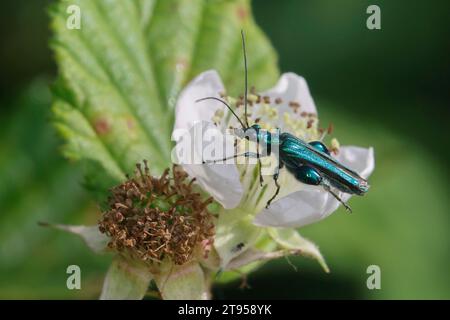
(228, 106)
(246, 74)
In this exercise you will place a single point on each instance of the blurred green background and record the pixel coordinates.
(387, 88)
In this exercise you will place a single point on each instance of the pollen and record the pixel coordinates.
(335, 145)
(252, 98)
(271, 112)
(155, 218)
(218, 116)
(261, 110)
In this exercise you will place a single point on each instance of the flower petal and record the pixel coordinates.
(362, 160)
(188, 111)
(308, 206)
(295, 210)
(194, 131)
(221, 181)
(292, 88)
(94, 239)
(125, 281)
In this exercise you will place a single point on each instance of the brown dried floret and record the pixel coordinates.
(294, 105)
(154, 218)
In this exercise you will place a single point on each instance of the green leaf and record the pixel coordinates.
(36, 184)
(126, 281)
(120, 74)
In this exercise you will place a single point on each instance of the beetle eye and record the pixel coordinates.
(319, 146)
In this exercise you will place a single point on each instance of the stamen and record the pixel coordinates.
(304, 125)
(169, 207)
(330, 128)
(294, 105)
(218, 116)
(252, 97)
(335, 145)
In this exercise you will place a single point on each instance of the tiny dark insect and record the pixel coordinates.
(238, 247)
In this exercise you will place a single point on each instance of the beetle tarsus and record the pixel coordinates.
(346, 206)
(275, 179)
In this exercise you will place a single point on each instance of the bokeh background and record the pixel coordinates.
(387, 88)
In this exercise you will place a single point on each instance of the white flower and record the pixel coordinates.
(288, 106)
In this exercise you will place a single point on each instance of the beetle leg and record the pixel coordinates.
(261, 180)
(275, 179)
(328, 188)
(245, 154)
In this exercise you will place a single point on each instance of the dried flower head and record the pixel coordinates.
(153, 218)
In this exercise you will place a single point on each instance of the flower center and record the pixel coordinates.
(270, 113)
(156, 218)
